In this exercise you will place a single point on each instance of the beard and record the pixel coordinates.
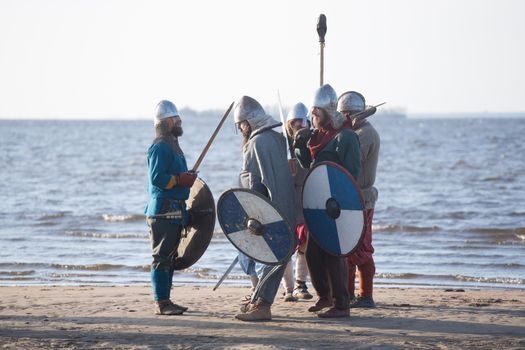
(246, 133)
(163, 133)
(177, 131)
(322, 121)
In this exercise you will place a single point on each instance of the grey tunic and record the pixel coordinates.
(369, 141)
(264, 162)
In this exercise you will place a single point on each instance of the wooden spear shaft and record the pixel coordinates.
(207, 147)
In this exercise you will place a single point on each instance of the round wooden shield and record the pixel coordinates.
(254, 226)
(333, 208)
(197, 235)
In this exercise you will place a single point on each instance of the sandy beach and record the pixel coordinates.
(121, 317)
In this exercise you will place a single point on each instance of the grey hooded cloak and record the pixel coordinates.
(265, 166)
(265, 170)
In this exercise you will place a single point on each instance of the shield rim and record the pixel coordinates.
(180, 266)
(356, 185)
(257, 194)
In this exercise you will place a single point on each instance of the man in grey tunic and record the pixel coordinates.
(265, 170)
(350, 104)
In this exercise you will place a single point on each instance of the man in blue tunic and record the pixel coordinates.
(169, 187)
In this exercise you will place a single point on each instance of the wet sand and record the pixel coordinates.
(121, 317)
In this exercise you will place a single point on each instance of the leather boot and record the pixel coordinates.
(166, 307)
(301, 291)
(260, 311)
(183, 308)
(320, 304)
(246, 307)
(333, 313)
(363, 302)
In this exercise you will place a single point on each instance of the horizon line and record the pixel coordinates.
(387, 114)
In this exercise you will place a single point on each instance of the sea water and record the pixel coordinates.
(451, 208)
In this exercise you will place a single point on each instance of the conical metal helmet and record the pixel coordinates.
(247, 108)
(326, 98)
(165, 109)
(298, 111)
(351, 101)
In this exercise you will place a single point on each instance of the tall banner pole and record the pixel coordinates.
(321, 30)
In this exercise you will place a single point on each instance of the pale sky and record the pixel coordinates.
(118, 58)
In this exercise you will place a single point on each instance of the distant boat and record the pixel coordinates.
(391, 113)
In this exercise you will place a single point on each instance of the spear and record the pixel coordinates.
(207, 147)
(366, 113)
(283, 126)
(232, 265)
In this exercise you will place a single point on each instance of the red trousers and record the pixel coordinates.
(363, 259)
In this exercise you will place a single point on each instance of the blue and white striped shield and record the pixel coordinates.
(254, 226)
(333, 208)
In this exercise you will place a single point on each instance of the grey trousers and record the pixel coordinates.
(165, 238)
(269, 283)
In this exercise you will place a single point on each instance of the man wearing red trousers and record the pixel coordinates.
(350, 103)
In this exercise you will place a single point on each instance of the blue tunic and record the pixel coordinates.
(163, 163)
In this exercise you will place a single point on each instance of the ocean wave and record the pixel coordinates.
(15, 239)
(105, 235)
(500, 235)
(404, 228)
(413, 276)
(17, 278)
(470, 245)
(505, 179)
(17, 273)
(51, 216)
(463, 164)
(207, 273)
(387, 275)
(117, 218)
(45, 223)
(200, 272)
(457, 215)
(15, 267)
(503, 266)
(498, 280)
(515, 230)
(77, 275)
(100, 267)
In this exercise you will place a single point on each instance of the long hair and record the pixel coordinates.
(290, 133)
(246, 133)
(163, 134)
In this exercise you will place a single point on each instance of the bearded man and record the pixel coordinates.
(333, 142)
(169, 187)
(265, 170)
